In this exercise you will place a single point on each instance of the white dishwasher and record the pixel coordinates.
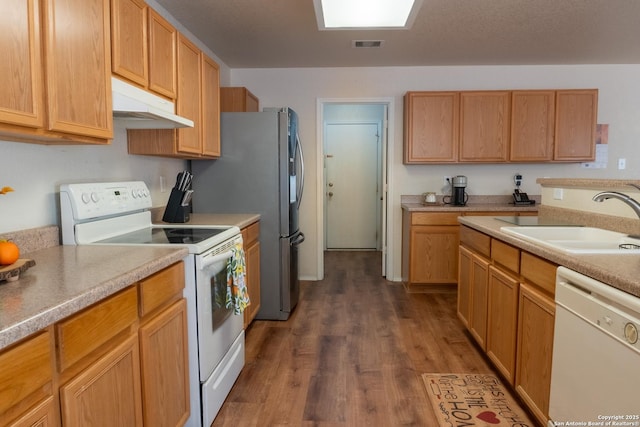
(595, 376)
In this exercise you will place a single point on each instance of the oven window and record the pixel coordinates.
(219, 295)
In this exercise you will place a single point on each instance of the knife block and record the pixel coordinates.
(174, 212)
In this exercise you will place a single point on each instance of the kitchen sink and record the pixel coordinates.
(583, 240)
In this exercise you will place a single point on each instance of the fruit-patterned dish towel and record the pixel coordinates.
(237, 293)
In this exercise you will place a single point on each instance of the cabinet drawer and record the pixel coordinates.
(158, 289)
(250, 234)
(438, 218)
(505, 255)
(24, 369)
(475, 240)
(539, 272)
(83, 333)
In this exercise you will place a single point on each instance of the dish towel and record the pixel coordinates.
(237, 293)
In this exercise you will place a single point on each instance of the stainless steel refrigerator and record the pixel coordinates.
(260, 170)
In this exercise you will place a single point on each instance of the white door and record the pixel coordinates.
(352, 185)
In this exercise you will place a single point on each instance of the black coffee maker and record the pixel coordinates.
(459, 196)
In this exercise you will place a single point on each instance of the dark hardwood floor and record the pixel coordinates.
(351, 354)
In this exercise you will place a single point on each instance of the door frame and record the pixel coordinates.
(379, 174)
(387, 178)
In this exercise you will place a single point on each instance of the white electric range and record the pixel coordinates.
(118, 213)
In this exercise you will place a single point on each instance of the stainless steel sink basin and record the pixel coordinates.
(584, 240)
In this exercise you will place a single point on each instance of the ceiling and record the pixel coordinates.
(284, 33)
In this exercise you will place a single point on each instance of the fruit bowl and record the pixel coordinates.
(11, 273)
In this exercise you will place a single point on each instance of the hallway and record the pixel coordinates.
(351, 354)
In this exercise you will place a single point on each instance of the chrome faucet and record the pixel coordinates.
(605, 195)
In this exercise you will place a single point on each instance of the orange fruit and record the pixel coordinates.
(9, 253)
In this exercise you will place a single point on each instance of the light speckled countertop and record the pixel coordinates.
(69, 278)
(619, 271)
(414, 203)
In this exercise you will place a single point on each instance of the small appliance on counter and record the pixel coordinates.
(459, 195)
(520, 198)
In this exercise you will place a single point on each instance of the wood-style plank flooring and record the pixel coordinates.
(351, 354)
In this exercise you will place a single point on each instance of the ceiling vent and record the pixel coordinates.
(367, 43)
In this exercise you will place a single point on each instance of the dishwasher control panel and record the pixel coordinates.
(609, 309)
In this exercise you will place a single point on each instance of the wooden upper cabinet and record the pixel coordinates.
(143, 47)
(129, 40)
(532, 125)
(162, 56)
(238, 100)
(22, 65)
(188, 103)
(198, 99)
(484, 126)
(57, 82)
(575, 129)
(78, 67)
(431, 121)
(210, 107)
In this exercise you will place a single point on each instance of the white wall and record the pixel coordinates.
(619, 106)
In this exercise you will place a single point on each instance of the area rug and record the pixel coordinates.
(473, 400)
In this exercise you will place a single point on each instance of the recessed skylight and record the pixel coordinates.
(365, 14)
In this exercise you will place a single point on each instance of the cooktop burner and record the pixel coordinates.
(165, 235)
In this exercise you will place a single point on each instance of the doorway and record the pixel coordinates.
(353, 182)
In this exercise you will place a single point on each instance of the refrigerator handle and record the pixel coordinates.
(300, 189)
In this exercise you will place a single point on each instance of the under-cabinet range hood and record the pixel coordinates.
(135, 108)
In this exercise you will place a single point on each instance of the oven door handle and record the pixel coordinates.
(213, 259)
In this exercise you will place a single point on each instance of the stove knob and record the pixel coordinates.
(631, 333)
(86, 198)
(94, 197)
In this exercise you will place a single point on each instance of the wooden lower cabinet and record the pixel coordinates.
(26, 381)
(164, 364)
(45, 414)
(536, 318)
(122, 361)
(519, 310)
(502, 321)
(473, 279)
(251, 243)
(108, 392)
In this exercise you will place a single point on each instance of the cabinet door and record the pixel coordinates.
(162, 56)
(21, 94)
(431, 127)
(532, 126)
(576, 116)
(536, 318)
(253, 281)
(165, 367)
(434, 254)
(484, 126)
(464, 285)
(78, 64)
(129, 40)
(42, 415)
(502, 322)
(478, 301)
(188, 103)
(107, 393)
(210, 107)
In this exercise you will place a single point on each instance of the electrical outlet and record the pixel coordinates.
(558, 193)
(163, 184)
(622, 163)
(446, 180)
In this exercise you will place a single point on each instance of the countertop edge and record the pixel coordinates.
(60, 310)
(599, 267)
